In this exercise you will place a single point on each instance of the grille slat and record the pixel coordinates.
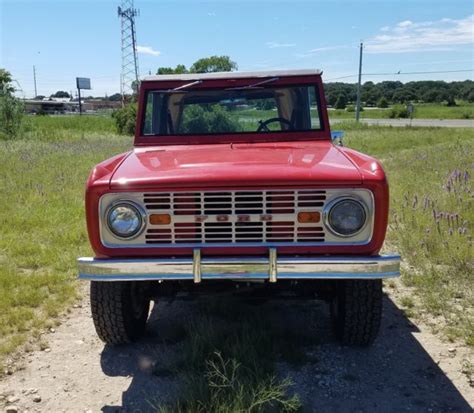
(234, 216)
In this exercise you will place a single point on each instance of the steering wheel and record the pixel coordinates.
(263, 125)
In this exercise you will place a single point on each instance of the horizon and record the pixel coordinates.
(403, 40)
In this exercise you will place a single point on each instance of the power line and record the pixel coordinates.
(419, 73)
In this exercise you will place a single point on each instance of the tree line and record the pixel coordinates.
(382, 94)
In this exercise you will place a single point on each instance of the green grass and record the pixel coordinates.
(228, 355)
(422, 111)
(431, 174)
(42, 218)
(53, 128)
(43, 231)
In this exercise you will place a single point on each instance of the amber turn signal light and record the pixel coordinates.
(308, 217)
(160, 219)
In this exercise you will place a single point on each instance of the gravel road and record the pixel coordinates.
(407, 369)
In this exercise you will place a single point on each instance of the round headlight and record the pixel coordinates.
(346, 217)
(125, 220)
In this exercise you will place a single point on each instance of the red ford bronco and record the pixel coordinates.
(236, 181)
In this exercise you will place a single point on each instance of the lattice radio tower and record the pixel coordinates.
(130, 74)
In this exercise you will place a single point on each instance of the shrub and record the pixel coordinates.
(350, 108)
(265, 104)
(213, 119)
(398, 111)
(450, 102)
(11, 115)
(341, 102)
(382, 103)
(125, 119)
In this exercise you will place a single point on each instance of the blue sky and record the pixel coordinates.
(70, 38)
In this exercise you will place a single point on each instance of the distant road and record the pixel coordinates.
(437, 123)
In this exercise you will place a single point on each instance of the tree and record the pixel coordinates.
(170, 71)
(466, 90)
(341, 102)
(434, 95)
(6, 82)
(11, 108)
(450, 100)
(382, 103)
(116, 97)
(403, 95)
(11, 115)
(204, 65)
(213, 64)
(470, 97)
(61, 94)
(334, 90)
(370, 93)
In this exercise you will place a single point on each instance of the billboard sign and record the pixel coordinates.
(83, 82)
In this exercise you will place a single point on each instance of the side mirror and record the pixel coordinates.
(336, 137)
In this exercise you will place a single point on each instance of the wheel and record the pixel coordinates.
(119, 310)
(356, 311)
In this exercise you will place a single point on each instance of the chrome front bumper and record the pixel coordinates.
(244, 268)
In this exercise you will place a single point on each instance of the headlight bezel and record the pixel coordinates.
(331, 204)
(132, 205)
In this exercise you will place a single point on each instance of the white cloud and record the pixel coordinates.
(408, 36)
(326, 49)
(276, 45)
(148, 50)
(317, 50)
(405, 23)
(211, 13)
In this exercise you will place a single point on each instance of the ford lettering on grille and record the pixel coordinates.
(235, 216)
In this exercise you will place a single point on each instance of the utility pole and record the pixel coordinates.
(34, 79)
(359, 83)
(80, 103)
(130, 73)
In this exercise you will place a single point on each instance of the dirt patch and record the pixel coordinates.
(407, 369)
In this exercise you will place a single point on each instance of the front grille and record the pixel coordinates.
(234, 216)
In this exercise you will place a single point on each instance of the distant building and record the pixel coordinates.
(97, 104)
(66, 105)
(49, 106)
(62, 100)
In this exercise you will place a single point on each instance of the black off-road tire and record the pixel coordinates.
(119, 310)
(356, 311)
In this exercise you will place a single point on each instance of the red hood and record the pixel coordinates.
(226, 165)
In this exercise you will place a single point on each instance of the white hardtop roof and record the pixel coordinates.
(232, 75)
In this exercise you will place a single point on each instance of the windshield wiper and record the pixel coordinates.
(180, 89)
(197, 82)
(254, 85)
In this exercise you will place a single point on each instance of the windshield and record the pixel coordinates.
(238, 110)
